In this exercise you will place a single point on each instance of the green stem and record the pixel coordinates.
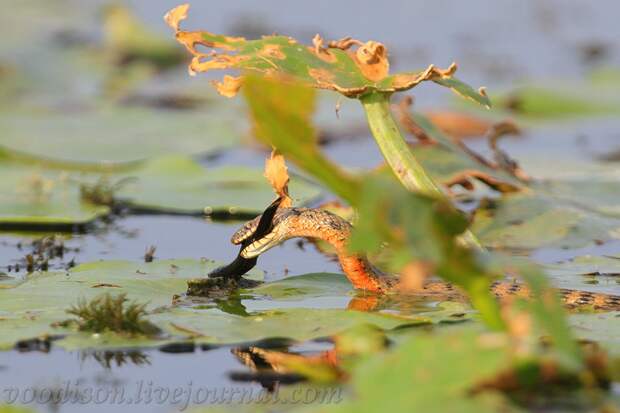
(394, 148)
(398, 154)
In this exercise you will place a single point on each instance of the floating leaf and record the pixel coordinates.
(532, 220)
(545, 103)
(588, 272)
(114, 136)
(295, 323)
(29, 309)
(331, 66)
(178, 184)
(32, 196)
(40, 197)
(427, 368)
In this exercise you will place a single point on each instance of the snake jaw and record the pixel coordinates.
(258, 247)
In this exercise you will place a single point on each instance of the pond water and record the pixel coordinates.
(498, 44)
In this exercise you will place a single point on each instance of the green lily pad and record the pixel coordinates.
(601, 328)
(295, 323)
(545, 103)
(34, 196)
(426, 369)
(307, 285)
(40, 196)
(115, 136)
(595, 194)
(28, 309)
(177, 184)
(592, 273)
(530, 220)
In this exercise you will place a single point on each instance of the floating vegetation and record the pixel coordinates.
(107, 313)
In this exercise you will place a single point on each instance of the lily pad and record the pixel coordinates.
(594, 193)
(545, 103)
(588, 272)
(599, 328)
(295, 323)
(307, 285)
(36, 196)
(28, 309)
(32, 195)
(530, 220)
(427, 368)
(178, 184)
(115, 136)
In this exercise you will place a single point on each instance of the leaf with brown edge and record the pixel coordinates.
(276, 173)
(348, 66)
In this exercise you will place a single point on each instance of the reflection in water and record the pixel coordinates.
(109, 359)
(269, 375)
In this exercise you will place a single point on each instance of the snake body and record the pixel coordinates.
(320, 224)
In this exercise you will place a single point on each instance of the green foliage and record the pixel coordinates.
(106, 137)
(35, 194)
(535, 219)
(545, 103)
(281, 114)
(420, 228)
(107, 313)
(417, 227)
(430, 373)
(334, 65)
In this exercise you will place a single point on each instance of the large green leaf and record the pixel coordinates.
(588, 272)
(296, 323)
(333, 67)
(32, 195)
(28, 309)
(547, 103)
(110, 136)
(39, 196)
(533, 220)
(177, 184)
(593, 193)
(429, 373)
(602, 328)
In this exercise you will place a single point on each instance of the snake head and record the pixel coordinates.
(279, 232)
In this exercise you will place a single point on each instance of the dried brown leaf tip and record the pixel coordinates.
(176, 15)
(229, 86)
(276, 173)
(348, 66)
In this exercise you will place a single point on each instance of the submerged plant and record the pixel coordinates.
(112, 313)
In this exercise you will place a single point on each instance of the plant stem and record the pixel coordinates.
(398, 154)
(394, 148)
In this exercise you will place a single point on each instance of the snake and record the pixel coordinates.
(320, 224)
